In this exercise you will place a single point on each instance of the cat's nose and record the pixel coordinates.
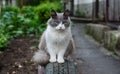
(61, 28)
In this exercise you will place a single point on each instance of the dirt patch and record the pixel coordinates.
(16, 58)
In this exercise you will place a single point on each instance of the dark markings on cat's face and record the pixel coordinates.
(56, 22)
(59, 20)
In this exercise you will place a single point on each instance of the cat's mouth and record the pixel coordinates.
(61, 30)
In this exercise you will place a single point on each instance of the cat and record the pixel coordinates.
(56, 41)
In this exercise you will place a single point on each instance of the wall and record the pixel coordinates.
(113, 10)
(88, 7)
(84, 6)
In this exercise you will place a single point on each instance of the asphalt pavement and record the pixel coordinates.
(92, 57)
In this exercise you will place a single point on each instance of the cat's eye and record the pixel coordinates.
(66, 23)
(57, 22)
(54, 23)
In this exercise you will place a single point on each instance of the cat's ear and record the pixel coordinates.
(66, 14)
(53, 14)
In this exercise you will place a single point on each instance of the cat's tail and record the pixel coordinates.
(41, 57)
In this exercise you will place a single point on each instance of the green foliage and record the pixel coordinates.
(13, 24)
(25, 22)
(43, 10)
(18, 25)
(9, 8)
(28, 12)
(3, 40)
(32, 19)
(3, 37)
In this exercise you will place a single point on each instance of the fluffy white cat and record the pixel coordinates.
(56, 41)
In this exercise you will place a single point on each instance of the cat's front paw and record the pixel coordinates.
(52, 60)
(60, 60)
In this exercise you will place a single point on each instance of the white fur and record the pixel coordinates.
(38, 57)
(60, 26)
(57, 43)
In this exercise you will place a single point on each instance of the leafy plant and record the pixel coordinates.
(3, 38)
(19, 25)
(43, 10)
(9, 8)
(11, 22)
(25, 22)
(28, 12)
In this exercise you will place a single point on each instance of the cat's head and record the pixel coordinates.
(59, 21)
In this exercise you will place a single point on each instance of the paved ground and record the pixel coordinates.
(91, 57)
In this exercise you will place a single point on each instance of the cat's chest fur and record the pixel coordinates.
(57, 38)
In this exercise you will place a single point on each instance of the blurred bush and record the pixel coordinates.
(19, 25)
(3, 37)
(3, 40)
(10, 8)
(28, 12)
(25, 21)
(43, 10)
